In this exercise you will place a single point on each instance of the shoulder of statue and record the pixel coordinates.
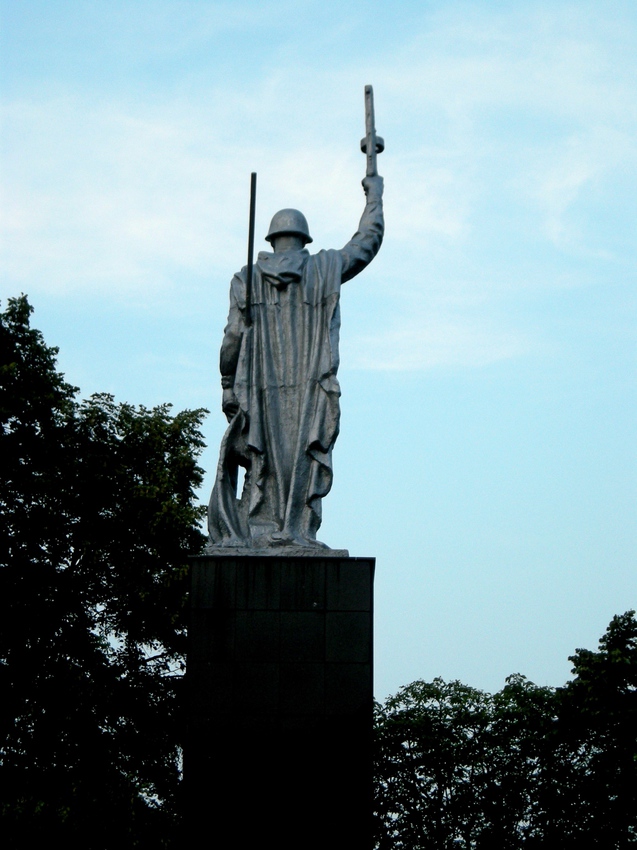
(325, 256)
(329, 259)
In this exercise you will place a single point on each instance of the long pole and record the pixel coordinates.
(253, 204)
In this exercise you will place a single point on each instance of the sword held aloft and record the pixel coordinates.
(371, 144)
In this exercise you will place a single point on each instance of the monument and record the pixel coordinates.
(280, 658)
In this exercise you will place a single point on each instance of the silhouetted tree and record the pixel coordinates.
(528, 767)
(97, 518)
(457, 767)
(600, 725)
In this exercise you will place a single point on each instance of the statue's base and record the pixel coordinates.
(275, 552)
(280, 701)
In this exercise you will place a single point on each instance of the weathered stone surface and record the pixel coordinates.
(279, 361)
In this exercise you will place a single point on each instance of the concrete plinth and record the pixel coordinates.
(280, 701)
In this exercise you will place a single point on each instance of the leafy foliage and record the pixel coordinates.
(98, 516)
(526, 767)
(601, 719)
(454, 764)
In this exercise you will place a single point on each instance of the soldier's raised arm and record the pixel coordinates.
(365, 243)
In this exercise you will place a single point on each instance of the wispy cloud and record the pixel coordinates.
(489, 118)
(444, 343)
(561, 175)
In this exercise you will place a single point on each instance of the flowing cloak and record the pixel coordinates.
(283, 370)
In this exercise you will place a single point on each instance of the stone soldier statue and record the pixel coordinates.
(279, 360)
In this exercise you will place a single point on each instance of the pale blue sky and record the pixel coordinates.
(487, 451)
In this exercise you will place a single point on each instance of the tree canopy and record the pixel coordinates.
(98, 516)
(528, 766)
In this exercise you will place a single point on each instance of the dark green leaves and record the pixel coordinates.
(526, 767)
(98, 516)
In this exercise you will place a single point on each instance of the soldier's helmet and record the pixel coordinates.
(289, 222)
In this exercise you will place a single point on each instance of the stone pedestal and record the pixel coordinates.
(280, 702)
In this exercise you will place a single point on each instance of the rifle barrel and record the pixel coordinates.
(253, 204)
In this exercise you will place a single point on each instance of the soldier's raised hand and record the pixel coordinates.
(373, 186)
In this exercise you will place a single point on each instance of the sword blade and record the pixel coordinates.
(370, 132)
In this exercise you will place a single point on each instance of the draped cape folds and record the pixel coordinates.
(288, 418)
(282, 370)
